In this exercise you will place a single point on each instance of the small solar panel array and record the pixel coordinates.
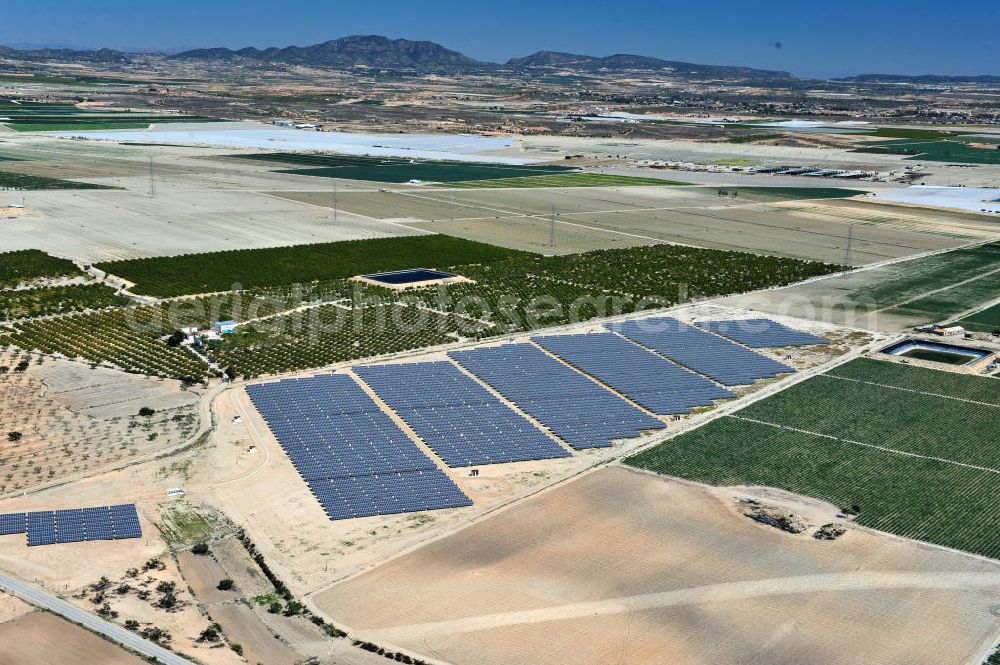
(644, 377)
(356, 461)
(457, 418)
(570, 405)
(76, 525)
(761, 333)
(728, 363)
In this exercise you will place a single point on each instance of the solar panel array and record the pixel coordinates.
(457, 418)
(356, 461)
(76, 525)
(644, 377)
(711, 355)
(570, 405)
(761, 333)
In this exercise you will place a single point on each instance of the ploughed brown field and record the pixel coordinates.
(620, 566)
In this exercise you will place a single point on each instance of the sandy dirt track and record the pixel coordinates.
(624, 567)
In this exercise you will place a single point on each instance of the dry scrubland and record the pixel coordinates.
(59, 420)
(622, 565)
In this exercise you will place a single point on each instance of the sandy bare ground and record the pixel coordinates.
(67, 433)
(45, 639)
(12, 608)
(621, 566)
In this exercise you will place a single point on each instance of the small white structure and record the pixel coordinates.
(224, 327)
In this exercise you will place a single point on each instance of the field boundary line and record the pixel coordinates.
(954, 285)
(865, 445)
(911, 390)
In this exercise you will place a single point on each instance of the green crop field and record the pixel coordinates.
(564, 180)
(920, 464)
(939, 286)
(10, 180)
(47, 301)
(987, 320)
(397, 170)
(218, 271)
(27, 265)
(937, 150)
(789, 193)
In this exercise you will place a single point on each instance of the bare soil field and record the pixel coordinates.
(197, 205)
(243, 627)
(69, 432)
(64, 643)
(602, 217)
(101, 392)
(621, 566)
(12, 607)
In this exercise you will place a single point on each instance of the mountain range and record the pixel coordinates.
(378, 52)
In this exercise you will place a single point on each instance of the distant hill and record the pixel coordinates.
(921, 78)
(625, 62)
(104, 55)
(358, 50)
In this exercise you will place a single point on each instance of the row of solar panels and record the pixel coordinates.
(48, 527)
(358, 462)
(355, 459)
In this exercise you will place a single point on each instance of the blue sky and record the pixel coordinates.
(808, 38)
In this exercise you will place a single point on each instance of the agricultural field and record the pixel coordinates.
(939, 150)
(987, 320)
(567, 180)
(52, 300)
(623, 566)
(65, 643)
(918, 462)
(323, 320)
(21, 181)
(126, 338)
(895, 296)
(398, 170)
(49, 432)
(219, 271)
(755, 219)
(25, 267)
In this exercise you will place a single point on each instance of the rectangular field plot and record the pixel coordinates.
(761, 333)
(703, 352)
(356, 461)
(985, 321)
(918, 464)
(618, 566)
(456, 417)
(921, 379)
(571, 406)
(644, 377)
(399, 170)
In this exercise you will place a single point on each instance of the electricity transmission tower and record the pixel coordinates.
(336, 211)
(848, 258)
(552, 227)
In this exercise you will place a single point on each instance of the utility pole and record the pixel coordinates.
(336, 211)
(552, 227)
(152, 183)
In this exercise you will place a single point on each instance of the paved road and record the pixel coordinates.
(41, 598)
